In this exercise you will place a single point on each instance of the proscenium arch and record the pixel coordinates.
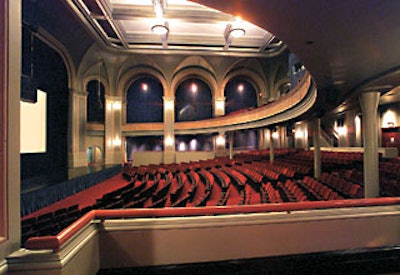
(251, 77)
(48, 39)
(97, 149)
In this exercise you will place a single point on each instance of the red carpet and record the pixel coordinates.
(84, 198)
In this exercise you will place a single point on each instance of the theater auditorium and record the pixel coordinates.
(199, 137)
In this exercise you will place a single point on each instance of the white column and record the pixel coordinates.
(10, 68)
(220, 142)
(219, 107)
(357, 125)
(271, 146)
(77, 125)
(351, 128)
(369, 106)
(301, 135)
(317, 148)
(283, 137)
(231, 136)
(263, 139)
(113, 128)
(169, 135)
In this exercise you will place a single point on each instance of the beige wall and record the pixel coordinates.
(194, 156)
(145, 158)
(165, 241)
(11, 197)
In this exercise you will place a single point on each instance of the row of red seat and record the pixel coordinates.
(292, 191)
(56, 242)
(347, 188)
(223, 181)
(319, 190)
(272, 194)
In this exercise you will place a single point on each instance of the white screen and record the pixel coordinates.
(33, 125)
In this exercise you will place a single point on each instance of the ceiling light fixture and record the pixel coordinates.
(232, 32)
(237, 32)
(160, 29)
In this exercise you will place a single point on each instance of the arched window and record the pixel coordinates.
(95, 101)
(239, 95)
(193, 101)
(145, 101)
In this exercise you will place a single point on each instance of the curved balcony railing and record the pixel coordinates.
(288, 106)
(55, 243)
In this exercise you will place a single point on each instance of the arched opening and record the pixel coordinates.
(94, 155)
(239, 94)
(145, 100)
(95, 101)
(193, 101)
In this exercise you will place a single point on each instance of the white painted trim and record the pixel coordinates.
(3, 267)
(147, 241)
(248, 219)
(39, 260)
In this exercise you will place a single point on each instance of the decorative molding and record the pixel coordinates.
(77, 92)
(287, 107)
(3, 267)
(25, 260)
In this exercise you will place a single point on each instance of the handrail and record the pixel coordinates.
(56, 242)
(282, 104)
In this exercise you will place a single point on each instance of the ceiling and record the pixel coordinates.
(348, 46)
(128, 25)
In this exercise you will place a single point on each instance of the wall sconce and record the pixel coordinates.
(169, 104)
(342, 131)
(116, 106)
(115, 142)
(219, 104)
(275, 135)
(220, 141)
(169, 141)
(299, 134)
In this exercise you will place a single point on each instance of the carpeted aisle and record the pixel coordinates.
(84, 198)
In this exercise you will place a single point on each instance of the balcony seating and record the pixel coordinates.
(248, 179)
(221, 178)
